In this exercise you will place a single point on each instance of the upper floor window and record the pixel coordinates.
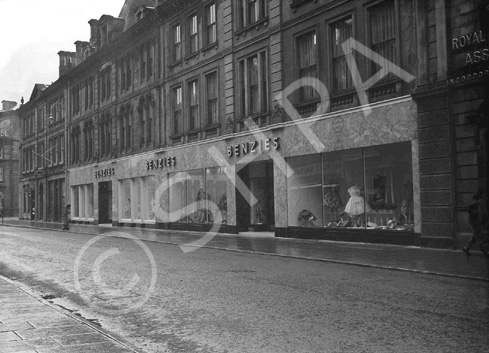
(75, 100)
(382, 23)
(125, 73)
(149, 59)
(253, 92)
(211, 92)
(211, 26)
(193, 91)
(307, 51)
(341, 31)
(193, 30)
(251, 11)
(1, 174)
(177, 109)
(2, 152)
(105, 84)
(177, 43)
(143, 54)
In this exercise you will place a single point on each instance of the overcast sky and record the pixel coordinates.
(32, 32)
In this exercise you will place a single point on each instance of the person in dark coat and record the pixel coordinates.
(476, 219)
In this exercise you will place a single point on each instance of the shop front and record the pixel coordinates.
(362, 184)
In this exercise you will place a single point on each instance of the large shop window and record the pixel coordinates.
(199, 196)
(83, 204)
(364, 188)
(137, 199)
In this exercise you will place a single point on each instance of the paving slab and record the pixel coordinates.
(33, 325)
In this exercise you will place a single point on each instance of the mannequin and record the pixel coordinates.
(332, 199)
(356, 205)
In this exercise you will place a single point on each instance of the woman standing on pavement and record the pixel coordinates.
(477, 219)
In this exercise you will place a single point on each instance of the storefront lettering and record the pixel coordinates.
(161, 163)
(468, 77)
(3, 133)
(104, 172)
(467, 40)
(242, 149)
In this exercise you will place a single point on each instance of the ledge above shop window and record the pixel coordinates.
(212, 130)
(297, 3)
(257, 24)
(306, 109)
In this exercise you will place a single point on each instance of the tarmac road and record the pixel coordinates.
(161, 299)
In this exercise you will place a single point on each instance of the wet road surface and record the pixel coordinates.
(164, 300)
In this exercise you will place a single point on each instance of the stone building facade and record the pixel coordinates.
(309, 119)
(9, 158)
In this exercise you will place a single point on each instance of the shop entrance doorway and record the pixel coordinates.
(258, 177)
(105, 202)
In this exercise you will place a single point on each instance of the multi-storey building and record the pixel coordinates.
(9, 158)
(311, 119)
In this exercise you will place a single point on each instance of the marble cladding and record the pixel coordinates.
(386, 123)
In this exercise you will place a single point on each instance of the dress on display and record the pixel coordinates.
(356, 204)
(332, 199)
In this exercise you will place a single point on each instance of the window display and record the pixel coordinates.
(366, 188)
(126, 198)
(304, 188)
(199, 196)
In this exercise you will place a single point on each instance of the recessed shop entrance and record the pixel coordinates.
(258, 178)
(105, 202)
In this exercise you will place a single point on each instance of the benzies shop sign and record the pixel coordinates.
(242, 149)
(475, 49)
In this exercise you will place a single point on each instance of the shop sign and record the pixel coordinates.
(104, 172)
(476, 61)
(3, 133)
(242, 149)
(161, 163)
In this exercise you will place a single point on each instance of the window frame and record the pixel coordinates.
(193, 104)
(337, 58)
(244, 89)
(371, 66)
(208, 118)
(210, 23)
(304, 94)
(177, 121)
(176, 42)
(193, 34)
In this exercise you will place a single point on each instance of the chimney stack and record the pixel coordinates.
(8, 105)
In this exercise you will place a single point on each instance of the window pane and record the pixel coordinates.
(304, 191)
(216, 187)
(90, 200)
(307, 45)
(342, 31)
(382, 32)
(149, 189)
(126, 198)
(137, 198)
(343, 189)
(196, 197)
(177, 197)
(389, 186)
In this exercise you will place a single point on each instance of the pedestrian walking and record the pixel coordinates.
(477, 219)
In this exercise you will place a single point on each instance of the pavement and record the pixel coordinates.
(29, 324)
(443, 262)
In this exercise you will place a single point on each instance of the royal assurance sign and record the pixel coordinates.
(470, 53)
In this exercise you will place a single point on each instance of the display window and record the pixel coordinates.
(364, 188)
(199, 196)
(138, 199)
(304, 191)
(125, 187)
(82, 196)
